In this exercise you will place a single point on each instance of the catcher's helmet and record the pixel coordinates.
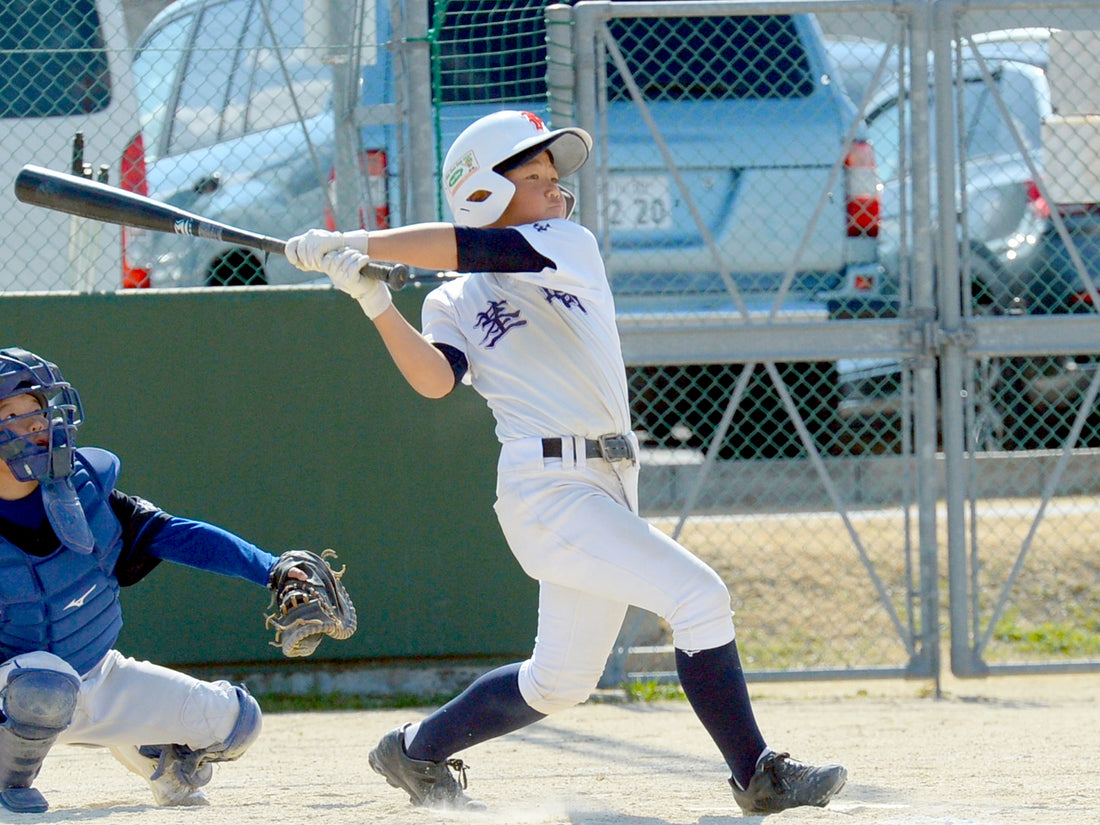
(24, 373)
(473, 181)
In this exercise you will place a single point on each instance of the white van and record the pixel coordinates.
(63, 72)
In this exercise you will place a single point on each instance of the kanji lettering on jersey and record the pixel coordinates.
(568, 300)
(496, 321)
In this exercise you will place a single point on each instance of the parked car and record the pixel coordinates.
(63, 71)
(1004, 216)
(1009, 244)
(755, 118)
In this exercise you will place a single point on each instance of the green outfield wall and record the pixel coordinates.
(277, 414)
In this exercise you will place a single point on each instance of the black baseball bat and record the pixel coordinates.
(85, 198)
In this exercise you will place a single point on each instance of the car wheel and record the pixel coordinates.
(237, 268)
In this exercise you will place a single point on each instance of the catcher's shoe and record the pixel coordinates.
(169, 789)
(428, 784)
(781, 782)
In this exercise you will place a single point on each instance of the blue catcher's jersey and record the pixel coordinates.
(67, 602)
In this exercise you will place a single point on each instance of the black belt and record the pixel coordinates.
(607, 447)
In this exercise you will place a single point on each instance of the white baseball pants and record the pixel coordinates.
(572, 524)
(126, 702)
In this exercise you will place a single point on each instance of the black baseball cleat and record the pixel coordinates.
(781, 782)
(428, 784)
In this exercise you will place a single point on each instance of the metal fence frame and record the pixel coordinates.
(963, 339)
(938, 338)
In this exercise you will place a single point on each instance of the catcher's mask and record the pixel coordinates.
(30, 456)
(473, 172)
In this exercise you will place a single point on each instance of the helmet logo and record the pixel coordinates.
(536, 120)
(462, 169)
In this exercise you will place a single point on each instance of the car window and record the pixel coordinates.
(712, 58)
(205, 85)
(53, 60)
(1023, 102)
(988, 132)
(280, 57)
(235, 117)
(501, 55)
(156, 65)
(985, 134)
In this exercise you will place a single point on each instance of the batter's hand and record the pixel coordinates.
(343, 269)
(306, 251)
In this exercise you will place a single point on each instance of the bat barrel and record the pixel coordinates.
(85, 198)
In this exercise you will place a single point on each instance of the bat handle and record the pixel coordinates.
(395, 275)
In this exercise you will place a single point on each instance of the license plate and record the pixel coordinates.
(639, 203)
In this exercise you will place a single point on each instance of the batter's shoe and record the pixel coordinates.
(781, 782)
(428, 784)
(169, 789)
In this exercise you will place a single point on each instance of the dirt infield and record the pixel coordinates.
(999, 751)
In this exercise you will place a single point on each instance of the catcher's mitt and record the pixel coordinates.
(307, 611)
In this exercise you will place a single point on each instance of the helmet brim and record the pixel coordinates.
(569, 147)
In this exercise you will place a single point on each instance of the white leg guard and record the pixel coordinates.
(36, 706)
(176, 772)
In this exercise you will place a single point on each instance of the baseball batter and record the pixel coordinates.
(68, 541)
(530, 325)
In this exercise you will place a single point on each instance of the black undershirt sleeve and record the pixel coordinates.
(141, 521)
(497, 250)
(456, 358)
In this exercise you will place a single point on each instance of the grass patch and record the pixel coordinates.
(653, 691)
(1079, 638)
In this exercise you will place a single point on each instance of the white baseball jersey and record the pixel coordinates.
(542, 347)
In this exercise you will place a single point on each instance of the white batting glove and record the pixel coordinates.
(342, 268)
(306, 251)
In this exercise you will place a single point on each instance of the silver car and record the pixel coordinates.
(1016, 260)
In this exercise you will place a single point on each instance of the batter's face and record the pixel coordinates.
(538, 196)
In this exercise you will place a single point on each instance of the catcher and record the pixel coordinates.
(68, 541)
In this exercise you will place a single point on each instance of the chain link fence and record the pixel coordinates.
(854, 248)
(1018, 574)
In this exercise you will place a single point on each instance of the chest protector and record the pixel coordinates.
(67, 602)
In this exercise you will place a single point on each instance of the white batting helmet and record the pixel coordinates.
(473, 181)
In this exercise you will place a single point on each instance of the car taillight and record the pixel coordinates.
(372, 167)
(864, 191)
(132, 178)
(863, 283)
(375, 164)
(1036, 202)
